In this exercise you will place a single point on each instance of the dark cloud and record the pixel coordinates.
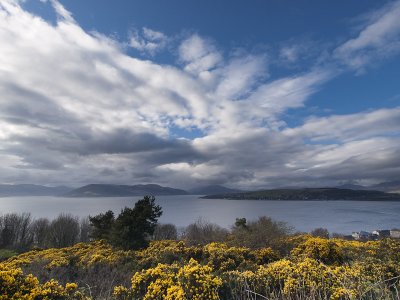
(76, 109)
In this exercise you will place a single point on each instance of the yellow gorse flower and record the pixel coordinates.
(312, 267)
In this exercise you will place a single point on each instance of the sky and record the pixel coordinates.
(251, 95)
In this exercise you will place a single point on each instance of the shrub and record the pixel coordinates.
(191, 281)
(202, 233)
(264, 232)
(63, 231)
(326, 251)
(15, 285)
(165, 232)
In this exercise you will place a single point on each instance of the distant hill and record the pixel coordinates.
(392, 186)
(310, 194)
(354, 187)
(111, 190)
(213, 189)
(10, 190)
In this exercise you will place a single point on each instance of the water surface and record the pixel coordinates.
(336, 216)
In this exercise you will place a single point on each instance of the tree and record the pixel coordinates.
(203, 232)
(134, 226)
(63, 231)
(102, 225)
(165, 232)
(14, 231)
(39, 230)
(320, 232)
(241, 223)
(85, 230)
(264, 232)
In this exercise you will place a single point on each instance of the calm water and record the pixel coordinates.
(336, 216)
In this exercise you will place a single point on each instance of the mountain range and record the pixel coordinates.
(212, 189)
(9, 190)
(390, 187)
(108, 190)
(112, 190)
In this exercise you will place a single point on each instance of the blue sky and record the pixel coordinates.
(188, 93)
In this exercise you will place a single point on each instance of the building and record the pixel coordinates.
(361, 235)
(380, 234)
(395, 233)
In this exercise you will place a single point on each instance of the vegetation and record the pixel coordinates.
(310, 194)
(18, 232)
(259, 259)
(132, 228)
(314, 268)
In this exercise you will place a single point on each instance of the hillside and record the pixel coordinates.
(213, 189)
(389, 187)
(11, 190)
(392, 186)
(111, 190)
(310, 194)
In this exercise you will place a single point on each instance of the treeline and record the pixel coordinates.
(133, 228)
(20, 232)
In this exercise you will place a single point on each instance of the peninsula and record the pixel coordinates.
(314, 194)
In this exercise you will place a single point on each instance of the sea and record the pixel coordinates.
(337, 216)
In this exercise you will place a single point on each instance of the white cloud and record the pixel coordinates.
(240, 75)
(379, 38)
(289, 53)
(199, 55)
(270, 100)
(62, 13)
(150, 41)
(351, 127)
(76, 108)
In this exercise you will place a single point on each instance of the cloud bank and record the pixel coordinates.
(75, 108)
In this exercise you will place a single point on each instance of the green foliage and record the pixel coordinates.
(6, 253)
(102, 225)
(241, 223)
(132, 228)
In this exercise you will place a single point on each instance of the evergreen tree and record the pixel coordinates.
(102, 225)
(134, 226)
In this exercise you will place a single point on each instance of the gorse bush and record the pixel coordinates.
(315, 268)
(190, 281)
(15, 285)
(132, 257)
